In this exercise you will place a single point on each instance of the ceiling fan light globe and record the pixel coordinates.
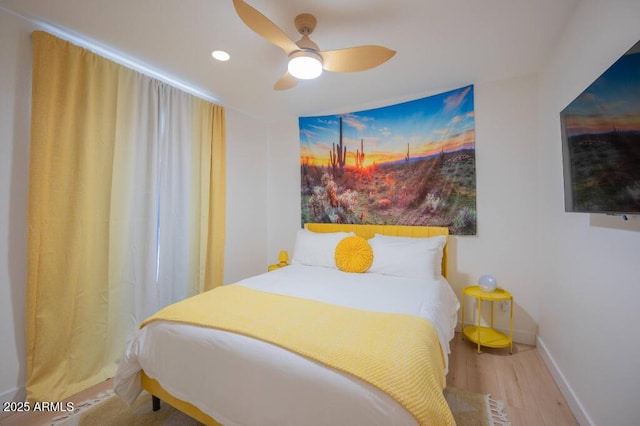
(305, 65)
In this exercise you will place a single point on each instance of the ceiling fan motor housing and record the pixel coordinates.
(305, 23)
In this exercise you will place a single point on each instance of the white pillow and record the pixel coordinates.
(407, 256)
(317, 248)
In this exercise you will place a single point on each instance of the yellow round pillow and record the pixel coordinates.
(353, 254)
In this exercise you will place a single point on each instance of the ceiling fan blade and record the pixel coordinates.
(263, 26)
(354, 59)
(287, 81)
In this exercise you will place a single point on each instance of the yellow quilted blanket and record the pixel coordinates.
(399, 354)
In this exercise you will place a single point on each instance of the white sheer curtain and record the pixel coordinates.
(154, 250)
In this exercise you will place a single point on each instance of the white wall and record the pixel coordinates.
(246, 217)
(589, 264)
(246, 226)
(283, 180)
(15, 82)
(505, 188)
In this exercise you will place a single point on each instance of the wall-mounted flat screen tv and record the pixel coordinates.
(601, 142)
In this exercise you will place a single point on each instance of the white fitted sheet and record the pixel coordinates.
(243, 381)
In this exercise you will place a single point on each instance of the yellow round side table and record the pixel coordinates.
(488, 336)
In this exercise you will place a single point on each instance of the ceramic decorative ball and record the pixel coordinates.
(487, 283)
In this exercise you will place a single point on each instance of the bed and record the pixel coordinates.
(231, 377)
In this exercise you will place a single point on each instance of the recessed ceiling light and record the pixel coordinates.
(220, 55)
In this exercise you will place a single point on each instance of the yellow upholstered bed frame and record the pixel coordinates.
(365, 231)
(153, 387)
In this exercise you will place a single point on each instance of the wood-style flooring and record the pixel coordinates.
(520, 380)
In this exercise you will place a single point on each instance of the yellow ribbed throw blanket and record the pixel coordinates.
(399, 354)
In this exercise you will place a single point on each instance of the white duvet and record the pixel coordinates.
(243, 381)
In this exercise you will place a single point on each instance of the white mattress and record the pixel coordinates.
(243, 381)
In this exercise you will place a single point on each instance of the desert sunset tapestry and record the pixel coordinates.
(406, 164)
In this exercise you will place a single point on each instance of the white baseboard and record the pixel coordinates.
(574, 403)
(15, 395)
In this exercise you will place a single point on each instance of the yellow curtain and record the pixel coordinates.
(80, 291)
(214, 136)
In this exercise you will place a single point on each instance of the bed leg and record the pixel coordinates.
(155, 402)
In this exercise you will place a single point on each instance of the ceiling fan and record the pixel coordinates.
(306, 60)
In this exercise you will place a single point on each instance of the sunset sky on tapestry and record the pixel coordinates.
(406, 164)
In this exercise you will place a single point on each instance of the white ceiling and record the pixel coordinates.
(440, 44)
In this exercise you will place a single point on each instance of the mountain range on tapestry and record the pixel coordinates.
(411, 163)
